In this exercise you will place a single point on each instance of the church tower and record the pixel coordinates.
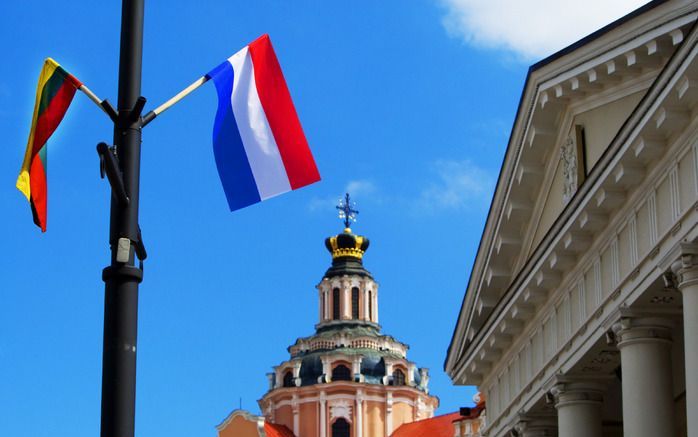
(347, 379)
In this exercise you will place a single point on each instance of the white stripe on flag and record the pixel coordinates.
(262, 152)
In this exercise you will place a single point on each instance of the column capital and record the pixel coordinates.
(681, 266)
(571, 389)
(632, 330)
(536, 425)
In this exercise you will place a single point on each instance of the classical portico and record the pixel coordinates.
(582, 305)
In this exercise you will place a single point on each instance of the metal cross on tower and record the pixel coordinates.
(346, 210)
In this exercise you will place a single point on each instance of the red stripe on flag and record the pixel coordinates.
(39, 191)
(281, 114)
(53, 114)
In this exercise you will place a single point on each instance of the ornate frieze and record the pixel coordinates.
(340, 408)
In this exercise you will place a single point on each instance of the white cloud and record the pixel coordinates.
(360, 188)
(357, 189)
(460, 184)
(532, 29)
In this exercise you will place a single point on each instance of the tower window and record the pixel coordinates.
(341, 373)
(370, 305)
(355, 303)
(288, 379)
(323, 315)
(398, 377)
(341, 428)
(335, 304)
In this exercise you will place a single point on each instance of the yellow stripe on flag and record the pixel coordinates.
(23, 180)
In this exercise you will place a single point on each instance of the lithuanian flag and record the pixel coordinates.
(53, 96)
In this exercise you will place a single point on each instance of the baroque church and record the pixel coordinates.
(348, 379)
(580, 317)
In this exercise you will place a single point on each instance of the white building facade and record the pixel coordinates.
(581, 314)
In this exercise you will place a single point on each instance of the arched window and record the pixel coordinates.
(289, 380)
(370, 305)
(398, 377)
(341, 373)
(341, 428)
(355, 303)
(335, 304)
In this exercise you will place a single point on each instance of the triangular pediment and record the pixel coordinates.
(573, 107)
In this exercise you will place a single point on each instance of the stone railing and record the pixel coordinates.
(356, 343)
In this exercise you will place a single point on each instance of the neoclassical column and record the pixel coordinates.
(645, 356)
(535, 425)
(323, 414)
(359, 414)
(578, 403)
(687, 274)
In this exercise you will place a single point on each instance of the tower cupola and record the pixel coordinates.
(348, 294)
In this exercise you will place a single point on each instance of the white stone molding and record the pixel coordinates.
(340, 408)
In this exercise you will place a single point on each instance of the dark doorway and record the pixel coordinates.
(340, 428)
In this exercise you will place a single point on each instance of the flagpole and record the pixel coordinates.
(122, 276)
(150, 116)
(92, 96)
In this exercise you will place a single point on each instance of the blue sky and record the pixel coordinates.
(408, 105)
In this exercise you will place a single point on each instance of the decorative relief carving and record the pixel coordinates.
(573, 166)
(341, 409)
(569, 169)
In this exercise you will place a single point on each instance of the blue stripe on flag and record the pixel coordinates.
(233, 166)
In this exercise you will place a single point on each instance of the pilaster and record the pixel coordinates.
(388, 413)
(323, 414)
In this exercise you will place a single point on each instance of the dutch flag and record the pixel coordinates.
(258, 142)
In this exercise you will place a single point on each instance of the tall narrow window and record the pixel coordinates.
(398, 377)
(340, 428)
(323, 316)
(288, 379)
(355, 303)
(335, 304)
(370, 305)
(341, 373)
